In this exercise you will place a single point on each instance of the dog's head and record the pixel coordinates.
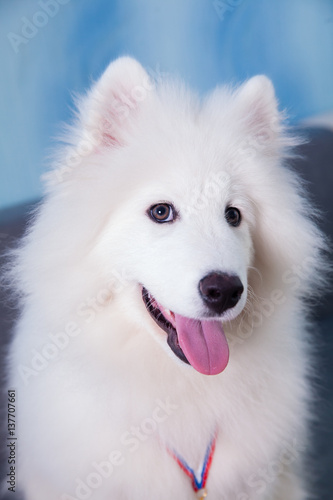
(181, 199)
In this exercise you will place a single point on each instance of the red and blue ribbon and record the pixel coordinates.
(197, 483)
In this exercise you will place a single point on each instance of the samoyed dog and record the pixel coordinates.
(163, 348)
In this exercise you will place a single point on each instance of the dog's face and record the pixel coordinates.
(189, 257)
(180, 233)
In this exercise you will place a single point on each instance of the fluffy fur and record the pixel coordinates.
(100, 395)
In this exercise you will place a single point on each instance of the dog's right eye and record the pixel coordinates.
(163, 212)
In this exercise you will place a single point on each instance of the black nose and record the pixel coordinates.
(220, 291)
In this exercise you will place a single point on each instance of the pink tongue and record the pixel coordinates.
(203, 343)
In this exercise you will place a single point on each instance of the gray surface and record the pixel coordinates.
(316, 167)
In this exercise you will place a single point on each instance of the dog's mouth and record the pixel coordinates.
(168, 325)
(200, 343)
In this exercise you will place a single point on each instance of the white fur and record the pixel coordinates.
(135, 143)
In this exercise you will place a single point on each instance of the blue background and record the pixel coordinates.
(46, 58)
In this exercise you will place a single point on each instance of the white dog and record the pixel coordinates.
(163, 348)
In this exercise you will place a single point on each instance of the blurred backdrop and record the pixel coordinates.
(52, 49)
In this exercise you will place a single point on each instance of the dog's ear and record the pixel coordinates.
(107, 112)
(106, 117)
(258, 107)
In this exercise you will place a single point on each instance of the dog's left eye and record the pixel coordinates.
(233, 216)
(163, 212)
